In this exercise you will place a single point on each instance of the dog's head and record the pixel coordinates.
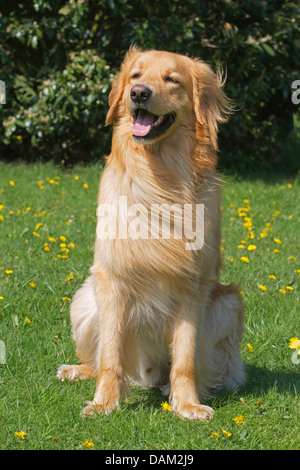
(156, 92)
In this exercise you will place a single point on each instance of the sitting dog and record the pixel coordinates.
(153, 310)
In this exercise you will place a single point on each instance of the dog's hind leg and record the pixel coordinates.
(84, 321)
(223, 327)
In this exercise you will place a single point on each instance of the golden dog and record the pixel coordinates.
(153, 310)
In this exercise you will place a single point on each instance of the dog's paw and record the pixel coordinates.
(67, 372)
(92, 409)
(194, 412)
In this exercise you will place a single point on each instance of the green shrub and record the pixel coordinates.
(58, 59)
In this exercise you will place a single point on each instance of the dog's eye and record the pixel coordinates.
(170, 79)
(136, 75)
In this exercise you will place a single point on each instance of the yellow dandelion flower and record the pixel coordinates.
(46, 248)
(39, 225)
(297, 271)
(214, 435)
(36, 234)
(244, 242)
(244, 259)
(12, 183)
(27, 320)
(271, 276)
(241, 246)
(32, 284)
(250, 347)
(71, 245)
(1, 217)
(228, 434)
(52, 239)
(76, 177)
(63, 238)
(277, 240)
(294, 343)
(20, 434)
(276, 251)
(85, 185)
(251, 247)
(88, 444)
(289, 288)
(261, 287)
(282, 291)
(9, 271)
(1, 297)
(70, 277)
(293, 258)
(238, 419)
(67, 299)
(166, 406)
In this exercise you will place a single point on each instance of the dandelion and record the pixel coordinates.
(276, 251)
(1, 218)
(67, 299)
(71, 245)
(263, 288)
(1, 297)
(250, 347)
(52, 239)
(244, 259)
(289, 288)
(251, 247)
(9, 271)
(282, 291)
(39, 225)
(32, 284)
(27, 321)
(12, 183)
(271, 276)
(228, 434)
(238, 419)
(36, 234)
(166, 406)
(76, 177)
(88, 444)
(214, 435)
(85, 185)
(292, 258)
(20, 434)
(297, 271)
(277, 240)
(63, 238)
(294, 343)
(70, 277)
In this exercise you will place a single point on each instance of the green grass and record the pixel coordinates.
(35, 327)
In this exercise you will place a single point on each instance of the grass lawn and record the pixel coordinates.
(47, 224)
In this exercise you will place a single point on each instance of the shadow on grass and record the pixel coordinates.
(260, 381)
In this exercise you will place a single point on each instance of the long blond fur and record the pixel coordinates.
(151, 310)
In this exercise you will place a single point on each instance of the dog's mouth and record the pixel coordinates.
(147, 126)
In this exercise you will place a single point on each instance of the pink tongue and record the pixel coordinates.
(142, 125)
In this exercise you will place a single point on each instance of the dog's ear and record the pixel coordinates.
(211, 105)
(116, 93)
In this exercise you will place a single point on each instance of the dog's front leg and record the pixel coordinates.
(110, 373)
(184, 336)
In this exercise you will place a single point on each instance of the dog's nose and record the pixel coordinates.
(140, 93)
